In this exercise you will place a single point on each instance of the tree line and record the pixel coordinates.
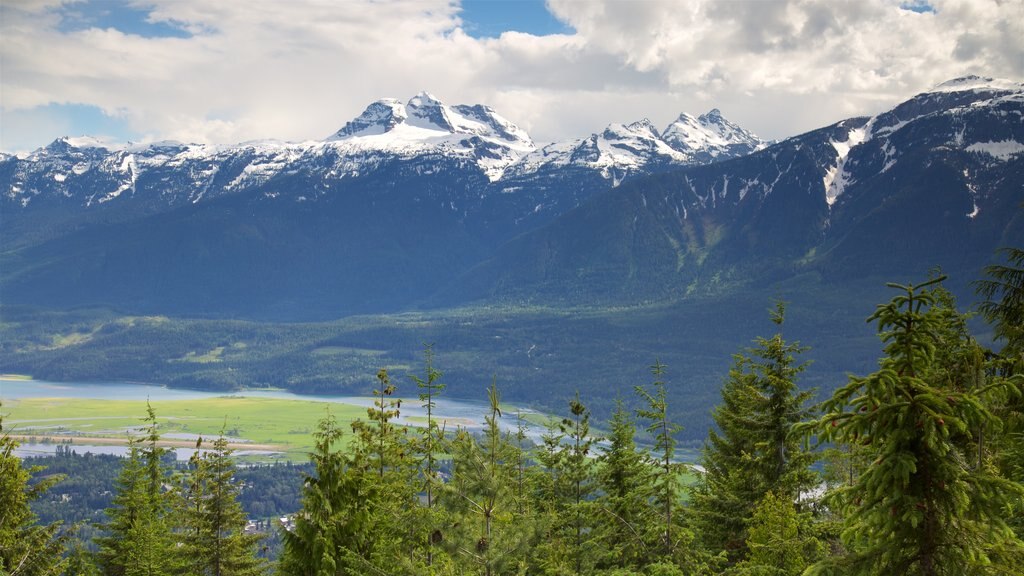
(916, 468)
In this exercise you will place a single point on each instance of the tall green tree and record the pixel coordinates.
(1003, 307)
(137, 538)
(667, 489)
(623, 500)
(921, 507)
(26, 548)
(488, 534)
(333, 533)
(213, 532)
(754, 451)
(671, 540)
(567, 495)
(431, 440)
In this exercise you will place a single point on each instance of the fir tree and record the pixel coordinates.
(666, 490)
(430, 441)
(753, 452)
(623, 503)
(214, 533)
(26, 549)
(138, 539)
(488, 536)
(332, 533)
(920, 507)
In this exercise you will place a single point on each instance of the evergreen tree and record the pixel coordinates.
(488, 536)
(26, 549)
(332, 534)
(920, 507)
(214, 535)
(754, 451)
(1003, 291)
(780, 540)
(567, 492)
(666, 488)
(430, 441)
(624, 478)
(138, 539)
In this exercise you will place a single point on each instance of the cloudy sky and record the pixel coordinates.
(231, 71)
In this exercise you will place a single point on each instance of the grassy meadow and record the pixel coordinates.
(285, 426)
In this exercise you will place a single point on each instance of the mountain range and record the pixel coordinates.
(421, 206)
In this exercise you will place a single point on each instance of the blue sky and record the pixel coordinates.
(234, 70)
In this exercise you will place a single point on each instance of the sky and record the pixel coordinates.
(232, 71)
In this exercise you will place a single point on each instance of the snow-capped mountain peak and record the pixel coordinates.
(709, 136)
(379, 117)
(977, 83)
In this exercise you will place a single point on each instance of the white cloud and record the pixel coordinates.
(299, 70)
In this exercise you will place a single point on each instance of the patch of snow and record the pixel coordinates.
(836, 178)
(1002, 150)
(977, 83)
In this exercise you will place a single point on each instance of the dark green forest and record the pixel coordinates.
(912, 467)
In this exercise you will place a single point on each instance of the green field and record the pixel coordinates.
(287, 425)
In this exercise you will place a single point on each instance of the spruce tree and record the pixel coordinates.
(431, 440)
(488, 534)
(26, 548)
(333, 532)
(623, 502)
(753, 452)
(214, 524)
(138, 539)
(920, 508)
(567, 494)
(669, 540)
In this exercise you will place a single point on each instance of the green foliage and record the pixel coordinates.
(212, 525)
(923, 506)
(780, 539)
(26, 548)
(491, 533)
(138, 539)
(333, 533)
(668, 539)
(754, 451)
(623, 503)
(1003, 291)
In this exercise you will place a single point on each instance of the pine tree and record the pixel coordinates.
(138, 539)
(624, 478)
(488, 536)
(333, 533)
(26, 549)
(754, 451)
(669, 541)
(214, 528)
(920, 507)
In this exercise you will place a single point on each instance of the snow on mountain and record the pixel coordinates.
(710, 136)
(624, 149)
(425, 124)
(962, 102)
(977, 83)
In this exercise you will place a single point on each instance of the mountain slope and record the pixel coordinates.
(935, 181)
